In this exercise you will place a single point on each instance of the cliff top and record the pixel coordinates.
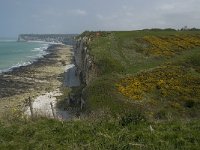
(155, 71)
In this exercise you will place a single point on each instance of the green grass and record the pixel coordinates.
(116, 55)
(114, 121)
(121, 48)
(126, 133)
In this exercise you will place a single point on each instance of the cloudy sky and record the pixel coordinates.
(76, 16)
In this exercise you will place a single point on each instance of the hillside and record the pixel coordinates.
(142, 91)
(153, 71)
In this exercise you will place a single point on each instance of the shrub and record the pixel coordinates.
(161, 115)
(189, 103)
(132, 118)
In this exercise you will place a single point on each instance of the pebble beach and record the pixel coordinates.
(46, 75)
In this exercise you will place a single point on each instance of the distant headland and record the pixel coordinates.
(57, 38)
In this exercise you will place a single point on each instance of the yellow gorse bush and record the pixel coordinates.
(170, 45)
(169, 82)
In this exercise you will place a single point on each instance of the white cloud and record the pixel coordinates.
(78, 12)
(77, 16)
(156, 14)
(167, 7)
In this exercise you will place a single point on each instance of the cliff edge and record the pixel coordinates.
(86, 68)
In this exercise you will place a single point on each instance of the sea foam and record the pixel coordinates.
(23, 60)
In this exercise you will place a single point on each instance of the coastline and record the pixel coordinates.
(42, 76)
(41, 50)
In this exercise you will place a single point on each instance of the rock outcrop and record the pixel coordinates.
(86, 68)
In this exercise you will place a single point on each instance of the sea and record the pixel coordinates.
(15, 54)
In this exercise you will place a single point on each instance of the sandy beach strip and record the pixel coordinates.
(43, 76)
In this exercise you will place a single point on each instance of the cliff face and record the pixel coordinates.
(86, 68)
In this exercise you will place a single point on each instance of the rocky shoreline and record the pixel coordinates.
(43, 75)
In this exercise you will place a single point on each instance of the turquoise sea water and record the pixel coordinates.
(15, 54)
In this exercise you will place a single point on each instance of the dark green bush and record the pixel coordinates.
(189, 103)
(161, 115)
(132, 118)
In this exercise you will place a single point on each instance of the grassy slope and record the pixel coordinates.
(119, 53)
(107, 134)
(117, 122)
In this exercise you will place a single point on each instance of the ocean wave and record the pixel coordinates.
(52, 43)
(42, 51)
(42, 48)
(31, 58)
(37, 49)
(19, 64)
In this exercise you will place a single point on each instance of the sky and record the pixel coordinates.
(76, 16)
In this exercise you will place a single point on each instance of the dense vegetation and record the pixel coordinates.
(153, 71)
(127, 133)
(146, 96)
